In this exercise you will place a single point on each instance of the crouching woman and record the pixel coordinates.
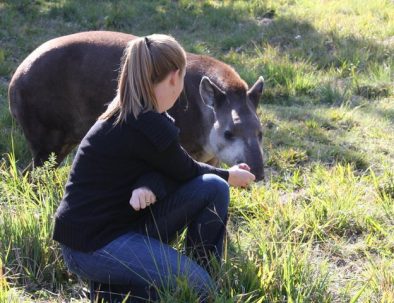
(132, 188)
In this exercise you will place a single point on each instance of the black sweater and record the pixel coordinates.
(112, 161)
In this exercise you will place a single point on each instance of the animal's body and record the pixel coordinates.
(60, 89)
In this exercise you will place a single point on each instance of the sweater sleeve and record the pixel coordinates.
(176, 163)
(160, 185)
(152, 181)
(158, 145)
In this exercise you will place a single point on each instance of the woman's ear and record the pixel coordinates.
(174, 75)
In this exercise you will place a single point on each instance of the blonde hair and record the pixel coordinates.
(145, 62)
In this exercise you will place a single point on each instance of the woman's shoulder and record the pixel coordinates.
(158, 128)
(155, 117)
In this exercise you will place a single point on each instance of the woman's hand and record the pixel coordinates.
(141, 198)
(240, 175)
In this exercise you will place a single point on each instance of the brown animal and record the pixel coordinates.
(60, 89)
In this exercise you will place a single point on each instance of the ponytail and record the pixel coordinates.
(146, 61)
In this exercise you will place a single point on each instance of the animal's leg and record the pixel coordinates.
(60, 151)
(43, 142)
(40, 157)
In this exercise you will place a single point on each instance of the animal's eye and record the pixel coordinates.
(260, 135)
(228, 135)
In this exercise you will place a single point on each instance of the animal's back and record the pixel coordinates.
(61, 87)
(61, 61)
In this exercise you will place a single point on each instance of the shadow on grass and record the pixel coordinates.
(383, 113)
(306, 137)
(218, 27)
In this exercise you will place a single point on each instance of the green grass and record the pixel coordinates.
(321, 229)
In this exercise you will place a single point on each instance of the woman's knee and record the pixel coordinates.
(217, 186)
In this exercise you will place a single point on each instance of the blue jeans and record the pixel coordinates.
(142, 262)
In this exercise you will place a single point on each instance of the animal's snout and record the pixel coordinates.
(259, 174)
(259, 177)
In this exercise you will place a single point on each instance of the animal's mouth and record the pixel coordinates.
(260, 178)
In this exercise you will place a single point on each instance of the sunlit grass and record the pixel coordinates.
(26, 215)
(274, 232)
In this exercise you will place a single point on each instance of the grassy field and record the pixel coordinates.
(321, 228)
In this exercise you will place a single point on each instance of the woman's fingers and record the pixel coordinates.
(252, 177)
(244, 166)
(149, 197)
(246, 178)
(134, 202)
(141, 198)
(146, 198)
(152, 197)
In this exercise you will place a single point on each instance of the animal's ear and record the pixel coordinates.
(211, 94)
(256, 91)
